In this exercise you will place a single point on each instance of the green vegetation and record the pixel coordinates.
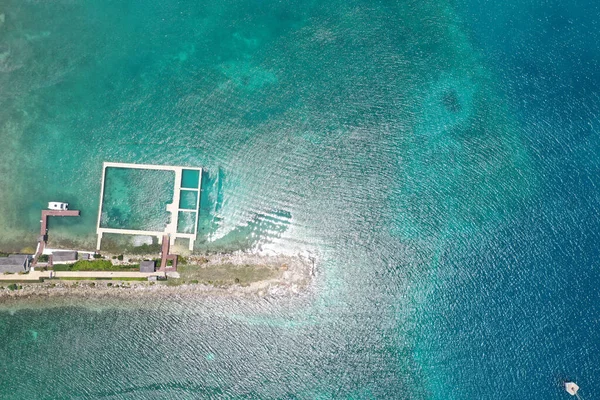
(97, 255)
(120, 257)
(94, 265)
(14, 286)
(73, 278)
(223, 274)
(43, 258)
(181, 260)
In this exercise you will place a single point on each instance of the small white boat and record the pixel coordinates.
(56, 205)
(572, 388)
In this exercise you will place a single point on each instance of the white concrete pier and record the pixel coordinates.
(173, 208)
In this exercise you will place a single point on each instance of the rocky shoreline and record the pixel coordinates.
(287, 275)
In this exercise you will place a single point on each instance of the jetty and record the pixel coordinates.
(175, 209)
(165, 256)
(43, 238)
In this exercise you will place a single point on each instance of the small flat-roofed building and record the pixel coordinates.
(147, 266)
(64, 256)
(15, 263)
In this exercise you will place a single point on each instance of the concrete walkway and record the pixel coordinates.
(36, 275)
(105, 274)
(33, 276)
(172, 208)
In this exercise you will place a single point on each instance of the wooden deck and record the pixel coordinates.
(165, 256)
(44, 228)
(54, 213)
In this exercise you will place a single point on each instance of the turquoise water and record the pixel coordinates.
(137, 199)
(186, 221)
(190, 178)
(439, 159)
(188, 199)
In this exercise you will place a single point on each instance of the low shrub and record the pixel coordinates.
(94, 265)
(181, 260)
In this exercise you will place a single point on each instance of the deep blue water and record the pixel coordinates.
(439, 158)
(518, 313)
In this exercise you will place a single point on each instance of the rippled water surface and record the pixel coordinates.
(439, 159)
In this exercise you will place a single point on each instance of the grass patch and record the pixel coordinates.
(74, 278)
(94, 265)
(62, 267)
(181, 260)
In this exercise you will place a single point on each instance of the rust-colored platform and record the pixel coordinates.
(165, 256)
(44, 228)
(55, 213)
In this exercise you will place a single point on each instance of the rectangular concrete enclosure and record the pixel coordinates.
(188, 182)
